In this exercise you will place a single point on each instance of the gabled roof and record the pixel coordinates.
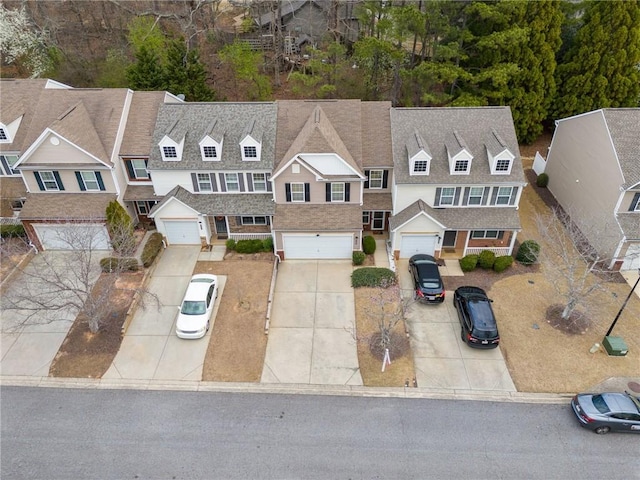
(194, 121)
(141, 121)
(455, 143)
(253, 130)
(376, 134)
(66, 206)
(495, 144)
(416, 144)
(624, 128)
(304, 217)
(215, 131)
(435, 125)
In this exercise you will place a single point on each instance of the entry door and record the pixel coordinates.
(221, 227)
(378, 221)
(449, 240)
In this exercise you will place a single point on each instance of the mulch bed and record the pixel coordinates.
(486, 278)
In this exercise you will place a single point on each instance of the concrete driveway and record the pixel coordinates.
(28, 346)
(441, 358)
(312, 332)
(150, 349)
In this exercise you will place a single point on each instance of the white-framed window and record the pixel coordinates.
(169, 151)
(259, 182)
(475, 195)
(447, 194)
(142, 207)
(337, 192)
(139, 168)
(17, 204)
(6, 164)
(636, 208)
(461, 166)
(231, 182)
(49, 180)
(420, 166)
(254, 220)
(209, 152)
(485, 234)
(504, 194)
(204, 182)
(90, 181)
(375, 178)
(250, 151)
(503, 165)
(366, 218)
(297, 192)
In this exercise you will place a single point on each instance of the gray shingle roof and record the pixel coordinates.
(624, 126)
(140, 123)
(630, 224)
(66, 206)
(318, 217)
(436, 126)
(140, 192)
(192, 121)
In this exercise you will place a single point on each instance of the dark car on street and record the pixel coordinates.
(427, 283)
(477, 321)
(607, 412)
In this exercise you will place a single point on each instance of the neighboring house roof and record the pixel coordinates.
(317, 217)
(630, 224)
(460, 218)
(436, 126)
(140, 192)
(141, 122)
(287, 7)
(624, 128)
(220, 204)
(376, 134)
(377, 201)
(66, 206)
(193, 121)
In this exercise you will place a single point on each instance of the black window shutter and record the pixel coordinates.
(238, 221)
(287, 191)
(456, 197)
(347, 192)
(366, 182)
(485, 195)
(80, 181)
(269, 189)
(500, 234)
(494, 195)
(39, 180)
(465, 196)
(514, 193)
(129, 165)
(634, 202)
(241, 182)
(438, 191)
(214, 186)
(100, 182)
(56, 175)
(249, 182)
(223, 184)
(306, 193)
(194, 180)
(327, 189)
(385, 179)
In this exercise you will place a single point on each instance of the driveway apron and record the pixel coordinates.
(150, 349)
(312, 330)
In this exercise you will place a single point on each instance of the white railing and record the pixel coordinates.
(249, 236)
(9, 221)
(499, 251)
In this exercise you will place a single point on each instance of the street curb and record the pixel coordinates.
(288, 389)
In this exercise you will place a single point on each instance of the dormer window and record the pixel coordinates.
(461, 166)
(419, 154)
(3, 135)
(499, 156)
(460, 156)
(250, 152)
(250, 143)
(209, 153)
(211, 145)
(169, 152)
(9, 130)
(170, 149)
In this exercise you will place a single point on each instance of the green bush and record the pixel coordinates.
(267, 244)
(12, 230)
(110, 264)
(486, 259)
(502, 263)
(469, 263)
(231, 244)
(528, 252)
(249, 246)
(151, 249)
(358, 258)
(542, 180)
(369, 245)
(372, 277)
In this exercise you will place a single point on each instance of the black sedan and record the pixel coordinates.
(605, 412)
(427, 283)
(478, 324)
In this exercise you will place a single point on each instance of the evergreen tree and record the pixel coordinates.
(196, 88)
(147, 72)
(601, 69)
(120, 228)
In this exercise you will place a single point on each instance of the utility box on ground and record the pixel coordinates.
(615, 346)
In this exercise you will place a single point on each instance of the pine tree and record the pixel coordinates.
(147, 72)
(601, 69)
(196, 88)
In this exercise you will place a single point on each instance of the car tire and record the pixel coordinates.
(207, 326)
(602, 430)
(462, 336)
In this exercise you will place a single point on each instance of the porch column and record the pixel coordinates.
(513, 241)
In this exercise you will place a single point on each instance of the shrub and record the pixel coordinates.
(358, 258)
(468, 263)
(151, 249)
(502, 263)
(267, 244)
(249, 246)
(231, 244)
(369, 245)
(12, 230)
(528, 252)
(110, 264)
(372, 277)
(486, 259)
(542, 180)
(120, 228)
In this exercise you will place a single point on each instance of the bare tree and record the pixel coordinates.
(569, 261)
(60, 285)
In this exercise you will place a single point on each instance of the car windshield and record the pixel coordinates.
(483, 321)
(600, 404)
(201, 280)
(193, 308)
(428, 274)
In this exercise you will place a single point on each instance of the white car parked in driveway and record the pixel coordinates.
(197, 306)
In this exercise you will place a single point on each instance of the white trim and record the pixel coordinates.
(299, 157)
(416, 216)
(172, 199)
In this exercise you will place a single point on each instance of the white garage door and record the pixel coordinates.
(317, 247)
(632, 258)
(75, 236)
(413, 244)
(180, 232)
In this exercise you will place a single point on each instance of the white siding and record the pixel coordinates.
(165, 180)
(408, 194)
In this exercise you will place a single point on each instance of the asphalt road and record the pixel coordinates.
(126, 434)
